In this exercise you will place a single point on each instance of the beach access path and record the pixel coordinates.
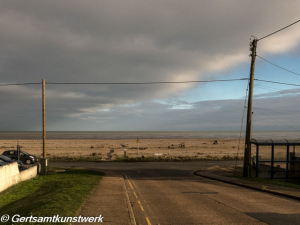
(170, 193)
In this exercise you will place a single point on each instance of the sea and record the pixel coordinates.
(117, 135)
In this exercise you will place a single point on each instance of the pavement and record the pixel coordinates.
(111, 194)
(225, 173)
(109, 197)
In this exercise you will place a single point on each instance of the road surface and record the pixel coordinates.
(169, 193)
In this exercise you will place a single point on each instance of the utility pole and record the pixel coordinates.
(247, 154)
(44, 121)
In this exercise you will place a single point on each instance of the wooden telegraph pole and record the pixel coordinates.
(247, 154)
(44, 121)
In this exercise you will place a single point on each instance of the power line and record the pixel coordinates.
(274, 111)
(277, 120)
(282, 113)
(278, 30)
(278, 66)
(268, 88)
(2, 85)
(116, 83)
(157, 82)
(275, 82)
(264, 89)
(270, 92)
(279, 110)
(237, 154)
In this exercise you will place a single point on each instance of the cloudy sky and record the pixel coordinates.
(147, 41)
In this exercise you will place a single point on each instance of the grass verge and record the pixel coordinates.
(62, 193)
(279, 182)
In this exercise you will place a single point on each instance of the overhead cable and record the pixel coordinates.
(2, 85)
(275, 111)
(268, 88)
(116, 83)
(278, 30)
(237, 154)
(157, 82)
(275, 82)
(277, 120)
(278, 66)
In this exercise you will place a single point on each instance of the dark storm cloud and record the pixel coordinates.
(121, 41)
(269, 113)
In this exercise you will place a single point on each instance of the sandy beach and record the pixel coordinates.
(200, 148)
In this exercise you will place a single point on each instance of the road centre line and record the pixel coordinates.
(132, 182)
(147, 219)
(135, 185)
(128, 178)
(141, 205)
(131, 214)
(129, 182)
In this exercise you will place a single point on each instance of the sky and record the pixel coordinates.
(112, 41)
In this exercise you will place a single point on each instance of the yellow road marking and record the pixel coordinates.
(148, 221)
(132, 183)
(129, 182)
(135, 185)
(141, 206)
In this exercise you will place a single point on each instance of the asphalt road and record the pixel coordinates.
(168, 193)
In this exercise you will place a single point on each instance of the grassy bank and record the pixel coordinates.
(63, 193)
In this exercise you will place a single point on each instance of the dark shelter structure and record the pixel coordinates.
(277, 158)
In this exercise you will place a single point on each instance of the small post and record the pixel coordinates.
(44, 121)
(247, 153)
(125, 153)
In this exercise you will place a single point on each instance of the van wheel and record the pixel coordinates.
(28, 161)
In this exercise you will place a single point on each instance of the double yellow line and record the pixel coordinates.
(148, 221)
